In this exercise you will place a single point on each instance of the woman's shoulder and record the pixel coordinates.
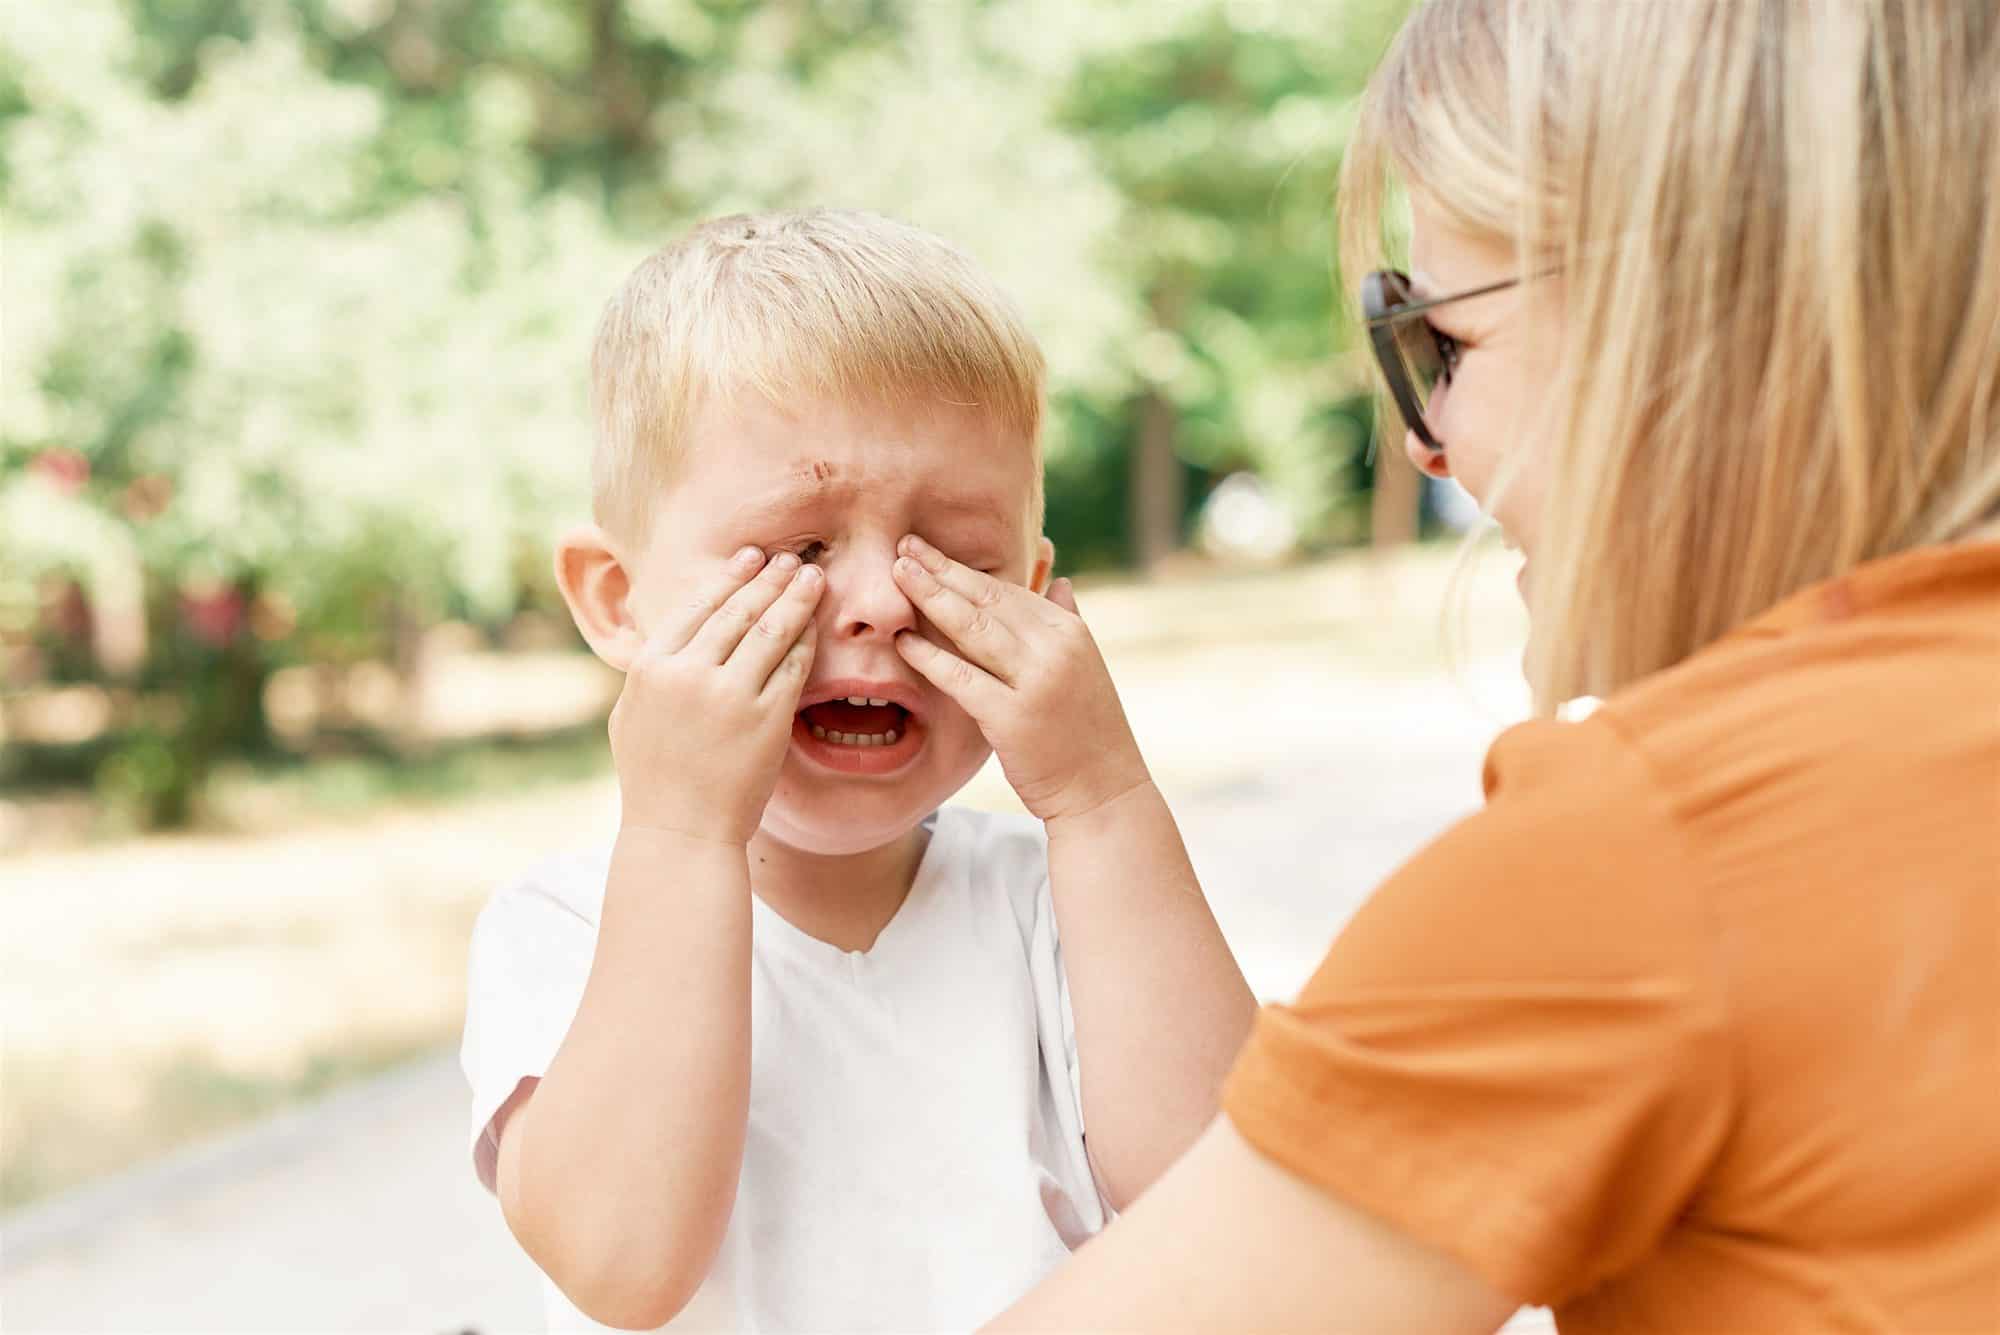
(1837, 754)
(1854, 699)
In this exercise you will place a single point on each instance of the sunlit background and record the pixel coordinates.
(297, 299)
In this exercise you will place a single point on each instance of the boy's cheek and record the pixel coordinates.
(664, 579)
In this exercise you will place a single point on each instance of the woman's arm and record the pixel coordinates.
(1229, 1241)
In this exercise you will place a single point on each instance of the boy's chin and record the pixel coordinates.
(824, 830)
(837, 820)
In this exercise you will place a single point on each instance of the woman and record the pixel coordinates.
(1696, 1026)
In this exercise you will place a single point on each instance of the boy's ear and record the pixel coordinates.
(598, 589)
(1043, 567)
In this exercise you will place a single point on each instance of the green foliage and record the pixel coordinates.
(1221, 125)
(298, 295)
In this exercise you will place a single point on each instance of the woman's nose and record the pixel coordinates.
(1425, 459)
(862, 598)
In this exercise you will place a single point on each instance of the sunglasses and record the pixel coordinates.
(1416, 357)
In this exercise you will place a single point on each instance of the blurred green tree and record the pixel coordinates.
(1221, 122)
(254, 411)
(297, 294)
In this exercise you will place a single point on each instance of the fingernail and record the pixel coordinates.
(785, 561)
(908, 567)
(749, 558)
(811, 575)
(915, 545)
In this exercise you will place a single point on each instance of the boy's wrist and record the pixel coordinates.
(669, 839)
(1119, 804)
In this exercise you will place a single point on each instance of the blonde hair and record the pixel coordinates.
(825, 303)
(1772, 232)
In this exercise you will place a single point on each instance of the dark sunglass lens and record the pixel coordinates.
(1418, 344)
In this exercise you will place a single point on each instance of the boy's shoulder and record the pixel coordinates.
(570, 883)
(1000, 847)
(997, 857)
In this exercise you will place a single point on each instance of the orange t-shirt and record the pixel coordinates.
(1696, 1025)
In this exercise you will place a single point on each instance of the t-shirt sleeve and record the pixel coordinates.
(1516, 1052)
(531, 953)
(1057, 1023)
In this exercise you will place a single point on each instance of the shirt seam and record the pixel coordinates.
(1700, 883)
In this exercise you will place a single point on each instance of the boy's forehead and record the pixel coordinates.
(820, 480)
(751, 456)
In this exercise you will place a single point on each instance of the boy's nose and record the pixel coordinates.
(863, 600)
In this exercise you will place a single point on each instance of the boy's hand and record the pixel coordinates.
(703, 721)
(1030, 675)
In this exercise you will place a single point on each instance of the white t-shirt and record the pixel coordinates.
(915, 1158)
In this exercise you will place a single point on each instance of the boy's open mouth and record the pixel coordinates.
(860, 726)
(857, 721)
(862, 735)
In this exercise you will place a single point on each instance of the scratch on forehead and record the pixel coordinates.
(820, 471)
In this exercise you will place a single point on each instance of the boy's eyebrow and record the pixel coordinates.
(973, 507)
(796, 494)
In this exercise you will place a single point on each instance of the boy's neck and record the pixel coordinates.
(844, 900)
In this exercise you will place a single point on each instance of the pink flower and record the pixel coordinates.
(215, 614)
(64, 469)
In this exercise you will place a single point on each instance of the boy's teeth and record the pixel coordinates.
(888, 738)
(857, 700)
(877, 703)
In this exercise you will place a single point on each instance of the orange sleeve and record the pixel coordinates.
(1516, 1050)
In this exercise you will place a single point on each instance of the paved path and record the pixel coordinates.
(361, 1213)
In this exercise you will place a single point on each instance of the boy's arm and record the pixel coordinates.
(1159, 1003)
(617, 1171)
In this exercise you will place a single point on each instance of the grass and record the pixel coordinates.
(62, 1132)
(249, 797)
(162, 989)
(268, 795)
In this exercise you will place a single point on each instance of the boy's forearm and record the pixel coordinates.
(1160, 1004)
(619, 1173)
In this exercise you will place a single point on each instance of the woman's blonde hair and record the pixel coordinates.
(1772, 229)
(821, 303)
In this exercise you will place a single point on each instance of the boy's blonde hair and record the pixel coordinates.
(1773, 231)
(823, 303)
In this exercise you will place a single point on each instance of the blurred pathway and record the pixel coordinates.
(1296, 795)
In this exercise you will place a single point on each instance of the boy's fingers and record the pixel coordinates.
(972, 626)
(1063, 594)
(685, 622)
(978, 692)
(771, 636)
(975, 586)
(726, 626)
(788, 678)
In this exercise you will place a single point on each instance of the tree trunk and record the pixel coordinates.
(406, 650)
(1157, 496)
